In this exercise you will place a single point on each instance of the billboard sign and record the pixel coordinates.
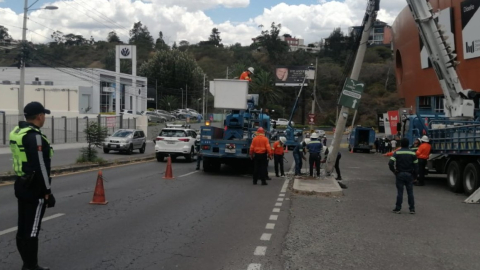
(290, 76)
(470, 22)
(393, 119)
(386, 124)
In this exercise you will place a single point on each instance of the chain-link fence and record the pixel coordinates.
(63, 129)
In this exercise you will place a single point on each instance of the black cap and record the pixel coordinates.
(34, 108)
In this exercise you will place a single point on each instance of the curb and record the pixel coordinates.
(79, 168)
(327, 187)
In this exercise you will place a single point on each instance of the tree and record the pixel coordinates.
(214, 38)
(140, 36)
(184, 43)
(174, 46)
(263, 84)
(96, 135)
(338, 44)
(168, 102)
(58, 37)
(160, 44)
(271, 42)
(113, 37)
(4, 36)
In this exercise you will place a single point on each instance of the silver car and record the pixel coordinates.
(125, 140)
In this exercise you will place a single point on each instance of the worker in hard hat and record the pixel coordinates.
(260, 150)
(278, 154)
(314, 147)
(247, 74)
(423, 153)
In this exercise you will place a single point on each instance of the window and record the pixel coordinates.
(122, 134)
(438, 104)
(424, 102)
(378, 30)
(172, 133)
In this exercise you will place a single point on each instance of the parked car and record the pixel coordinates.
(283, 122)
(155, 118)
(175, 141)
(125, 140)
(169, 116)
(320, 132)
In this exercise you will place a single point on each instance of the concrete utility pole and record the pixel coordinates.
(314, 90)
(370, 15)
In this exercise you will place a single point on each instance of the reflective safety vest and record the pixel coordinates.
(18, 150)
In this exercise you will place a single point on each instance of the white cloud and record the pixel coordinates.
(186, 20)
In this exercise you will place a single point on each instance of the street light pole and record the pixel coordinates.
(21, 91)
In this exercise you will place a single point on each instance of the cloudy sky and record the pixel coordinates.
(190, 20)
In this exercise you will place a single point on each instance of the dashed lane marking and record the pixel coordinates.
(280, 199)
(254, 266)
(278, 204)
(188, 174)
(44, 219)
(266, 237)
(270, 226)
(276, 210)
(282, 195)
(273, 217)
(260, 251)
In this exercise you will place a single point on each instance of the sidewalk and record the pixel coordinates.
(60, 146)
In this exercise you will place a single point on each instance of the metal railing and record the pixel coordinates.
(63, 129)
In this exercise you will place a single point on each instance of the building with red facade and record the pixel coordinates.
(416, 80)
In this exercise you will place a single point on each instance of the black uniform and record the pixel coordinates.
(30, 191)
(404, 164)
(337, 163)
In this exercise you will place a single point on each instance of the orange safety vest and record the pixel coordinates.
(277, 148)
(423, 151)
(245, 76)
(260, 145)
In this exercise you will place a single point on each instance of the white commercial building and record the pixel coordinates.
(70, 92)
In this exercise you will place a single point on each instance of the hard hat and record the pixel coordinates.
(260, 130)
(314, 135)
(283, 139)
(424, 138)
(251, 69)
(198, 137)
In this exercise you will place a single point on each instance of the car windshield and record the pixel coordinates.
(122, 133)
(172, 133)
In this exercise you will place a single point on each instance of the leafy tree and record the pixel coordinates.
(174, 46)
(113, 37)
(58, 37)
(140, 36)
(4, 33)
(160, 43)
(338, 44)
(95, 134)
(263, 84)
(214, 38)
(270, 41)
(184, 43)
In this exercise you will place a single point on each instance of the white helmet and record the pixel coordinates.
(251, 69)
(283, 139)
(424, 138)
(198, 137)
(314, 135)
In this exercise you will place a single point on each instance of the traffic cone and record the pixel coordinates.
(99, 194)
(168, 171)
(286, 149)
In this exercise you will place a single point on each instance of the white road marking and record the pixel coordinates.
(273, 217)
(254, 266)
(266, 237)
(281, 195)
(260, 251)
(278, 204)
(188, 174)
(280, 199)
(276, 210)
(270, 226)
(44, 219)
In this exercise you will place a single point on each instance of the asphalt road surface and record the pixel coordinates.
(196, 221)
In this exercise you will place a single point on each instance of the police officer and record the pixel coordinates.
(314, 147)
(197, 148)
(260, 150)
(404, 164)
(31, 161)
(298, 155)
(278, 154)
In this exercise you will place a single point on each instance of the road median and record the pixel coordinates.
(56, 171)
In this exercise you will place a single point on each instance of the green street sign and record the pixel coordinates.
(351, 93)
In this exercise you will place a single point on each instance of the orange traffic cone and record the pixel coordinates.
(168, 171)
(99, 194)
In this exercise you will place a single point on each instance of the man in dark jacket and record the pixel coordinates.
(31, 162)
(404, 164)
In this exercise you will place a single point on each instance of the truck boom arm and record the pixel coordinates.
(458, 101)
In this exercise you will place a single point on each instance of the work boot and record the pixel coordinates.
(31, 253)
(268, 178)
(38, 267)
(339, 178)
(342, 185)
(264, 183)
(277, 175)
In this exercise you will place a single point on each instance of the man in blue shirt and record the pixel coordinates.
(298, 155)
(314, 147)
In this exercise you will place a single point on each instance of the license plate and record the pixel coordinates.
(230, 148)
(169, 142)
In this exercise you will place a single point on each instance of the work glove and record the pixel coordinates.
(51, 201)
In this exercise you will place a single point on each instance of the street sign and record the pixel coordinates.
(111, 121)
(351, 93)
(311, 119)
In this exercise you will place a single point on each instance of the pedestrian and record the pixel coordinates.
(298, 156)
(199, 153)
(32, 155)
(394, 144)
(382, 146)
(268, 162)
(389, 145)
(337, 167)
(324, 140)
(260, 150)
(404, 164)
(423, 153)
(314, 147)
(278, 154)
(376, 145)
(247, 74)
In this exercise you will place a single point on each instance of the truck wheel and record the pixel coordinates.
(455, 176)
(190, 156)
(206, 164)
(471, 180)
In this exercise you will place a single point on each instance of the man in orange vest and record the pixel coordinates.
(278, 155)
(260, 150)
(247, 74)
(423, 153)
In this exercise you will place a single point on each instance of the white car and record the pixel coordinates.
(320, 132)
(283, 122)
(175, 141)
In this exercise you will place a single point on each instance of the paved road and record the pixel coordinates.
(359, 231)
(196, 221)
